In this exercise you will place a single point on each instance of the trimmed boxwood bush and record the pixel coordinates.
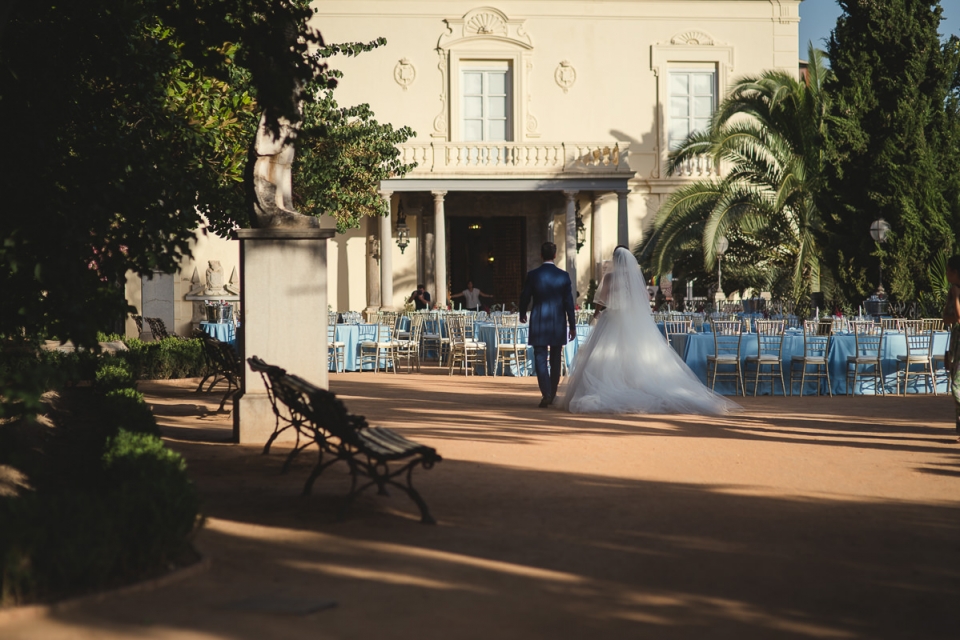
(113, 374)
(165, 359)
(109, 502)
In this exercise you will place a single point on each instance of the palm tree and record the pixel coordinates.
(767, 135)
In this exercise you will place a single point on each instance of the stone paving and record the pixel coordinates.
(800, 518)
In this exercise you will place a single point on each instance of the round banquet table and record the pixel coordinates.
(222, 331)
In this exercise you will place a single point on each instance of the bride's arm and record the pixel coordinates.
(600, 297)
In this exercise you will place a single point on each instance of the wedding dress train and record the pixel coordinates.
(626, 365)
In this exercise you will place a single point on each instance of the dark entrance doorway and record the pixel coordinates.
(492, 253)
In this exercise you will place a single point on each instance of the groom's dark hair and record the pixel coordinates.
(548, 251)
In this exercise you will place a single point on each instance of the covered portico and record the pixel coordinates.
(551, 174)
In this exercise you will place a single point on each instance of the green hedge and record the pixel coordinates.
(165, 359)
(109, 502)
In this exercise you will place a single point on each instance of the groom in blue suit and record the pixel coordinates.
(552, 294)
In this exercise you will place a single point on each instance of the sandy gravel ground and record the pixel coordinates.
(800, 518)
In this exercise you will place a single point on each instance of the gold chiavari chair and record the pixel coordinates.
(407, 345)
(769, 354)
(675, 327)
(510, 350)
(891, 324)
(869, 342)
(464, 351)
(919, 352)
(727, 336)
(381, 348)
(816, 349)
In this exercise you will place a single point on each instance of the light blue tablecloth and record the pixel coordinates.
(222, 331)
(698, 346)
(487, 333)
(351, 335)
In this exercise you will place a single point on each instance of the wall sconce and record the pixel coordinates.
(475, 226)
(403, 231)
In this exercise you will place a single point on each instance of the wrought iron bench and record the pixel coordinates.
(223, 363)
(318, 417)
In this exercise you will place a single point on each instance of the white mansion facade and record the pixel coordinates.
(535, 120)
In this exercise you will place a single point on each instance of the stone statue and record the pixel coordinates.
(214, 279)
(272, 160)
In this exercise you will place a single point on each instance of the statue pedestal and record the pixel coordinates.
(283, 294)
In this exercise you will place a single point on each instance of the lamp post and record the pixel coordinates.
(878, 231)
(722, 246)
(403, 231)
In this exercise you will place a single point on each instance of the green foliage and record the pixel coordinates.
(165, 359)
(125, 409)
(113, 375)
(767, 134)
(108, 502)
(343, 153)
(894, 144)
(131, 123)
(133, 518)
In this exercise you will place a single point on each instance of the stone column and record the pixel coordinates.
(571, 239)
(373, 275)
(386, 256)
(596, 230)
(622, 228)
(440, 247)
(283, 294)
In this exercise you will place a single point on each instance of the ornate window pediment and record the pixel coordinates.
(485, 23)
(485, 34)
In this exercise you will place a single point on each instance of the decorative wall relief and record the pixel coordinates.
(692, 37)
(565, 75)
(485, 23)
(440, 129)
(531, 121)
(404, 73)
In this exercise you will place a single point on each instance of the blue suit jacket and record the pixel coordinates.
(552, 294)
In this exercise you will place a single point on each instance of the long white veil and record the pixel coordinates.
(626, 365)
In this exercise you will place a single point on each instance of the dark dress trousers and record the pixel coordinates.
(552, 294)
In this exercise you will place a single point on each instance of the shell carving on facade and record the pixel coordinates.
(692, 37)
(486, 23)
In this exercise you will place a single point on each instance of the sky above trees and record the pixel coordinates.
(819, 17)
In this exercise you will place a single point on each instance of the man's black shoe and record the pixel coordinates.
(545, 402)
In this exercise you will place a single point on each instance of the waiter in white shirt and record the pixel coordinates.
(471, 296)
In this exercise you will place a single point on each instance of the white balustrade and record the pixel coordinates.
(523, 157)
(698, 167)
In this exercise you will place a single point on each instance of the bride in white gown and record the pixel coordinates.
(626, 365)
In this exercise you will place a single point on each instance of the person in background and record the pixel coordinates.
(420, 298)
(471, 296)
(951, 319)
